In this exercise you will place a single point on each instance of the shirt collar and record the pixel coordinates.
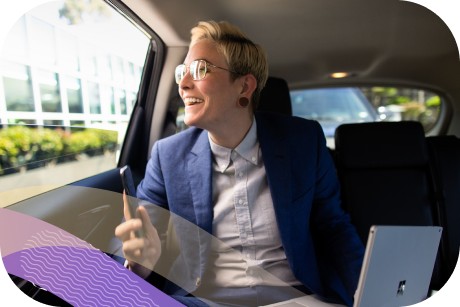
(248, 149)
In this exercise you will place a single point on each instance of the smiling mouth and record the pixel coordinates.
(192, 101)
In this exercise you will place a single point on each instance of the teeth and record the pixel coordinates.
(192, 100)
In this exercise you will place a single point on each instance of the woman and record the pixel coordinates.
(263, 184)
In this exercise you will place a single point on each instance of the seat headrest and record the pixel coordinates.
(275, 97)
(381, 144)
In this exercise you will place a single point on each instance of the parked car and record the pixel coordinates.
(332, 107)
(87, 87)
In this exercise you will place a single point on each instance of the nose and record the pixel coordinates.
(186, 82)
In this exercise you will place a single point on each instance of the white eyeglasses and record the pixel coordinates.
(197, 69)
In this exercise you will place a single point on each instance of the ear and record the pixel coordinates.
(249, 83)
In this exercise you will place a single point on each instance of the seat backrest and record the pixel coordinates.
(275, 97)
(445, 157)
(385, 175)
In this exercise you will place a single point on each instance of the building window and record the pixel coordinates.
(49, 91)
(113, 109)
(77, 123)
(17, 84)
(53, 122)
(94, 98)
(19, 121)
(74, 97)
(118, 69)
(122, 101)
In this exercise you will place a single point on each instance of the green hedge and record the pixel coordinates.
(34, 147)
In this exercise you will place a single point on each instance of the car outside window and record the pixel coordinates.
(67, 90)
(334, 106)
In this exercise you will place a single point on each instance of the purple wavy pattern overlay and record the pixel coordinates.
(72, 269)
(84, 277)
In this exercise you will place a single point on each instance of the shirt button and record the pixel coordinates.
(198, 281)
(240, 201)
(253, 159)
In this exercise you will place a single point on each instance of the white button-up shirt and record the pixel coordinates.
(244, 220)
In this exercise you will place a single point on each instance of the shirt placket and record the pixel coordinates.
(241, 204)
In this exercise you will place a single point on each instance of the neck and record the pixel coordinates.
(231, 135)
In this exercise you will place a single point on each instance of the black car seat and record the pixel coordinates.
(385, 174)
(445, 157)
(275, 97)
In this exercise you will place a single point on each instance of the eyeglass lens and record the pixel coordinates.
(197, 68)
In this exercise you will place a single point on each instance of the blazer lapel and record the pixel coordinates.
(199, 172)
(277, 165)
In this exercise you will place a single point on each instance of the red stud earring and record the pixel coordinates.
(243, 102)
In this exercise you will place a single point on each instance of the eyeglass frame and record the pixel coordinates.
(187, 70)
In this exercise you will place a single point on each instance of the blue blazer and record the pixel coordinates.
(321, 245)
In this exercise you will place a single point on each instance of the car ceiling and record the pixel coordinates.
(380, 41)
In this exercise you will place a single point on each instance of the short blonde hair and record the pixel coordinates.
(242, 55)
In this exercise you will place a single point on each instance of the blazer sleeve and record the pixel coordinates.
(152, 193)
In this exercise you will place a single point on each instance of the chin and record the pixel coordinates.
(190, 122)
(193, 120)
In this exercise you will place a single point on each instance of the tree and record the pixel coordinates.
(75, 11)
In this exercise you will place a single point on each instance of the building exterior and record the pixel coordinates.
(53, 73)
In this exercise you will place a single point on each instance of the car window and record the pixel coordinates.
(68, 84)
(332, 107)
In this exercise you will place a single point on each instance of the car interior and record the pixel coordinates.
(391, 172)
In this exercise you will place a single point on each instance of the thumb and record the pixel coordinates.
(126, 206)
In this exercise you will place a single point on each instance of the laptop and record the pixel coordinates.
(397, 268)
